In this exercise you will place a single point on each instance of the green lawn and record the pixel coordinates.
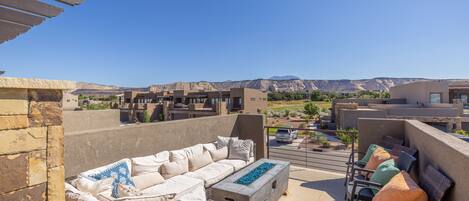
(295, 105)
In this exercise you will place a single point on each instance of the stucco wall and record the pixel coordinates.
(349, 118)
(434, 112)
(90, 149)
(365, 102)
(447, 153)
(252, 127)
(90, 119)
(420, 91)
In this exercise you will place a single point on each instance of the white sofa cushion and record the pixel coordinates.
(93, 187)
(196, 194)
(236, 163)
(129, 193)
(200, 160)
(147, 180)
(174, 168)
(212, 173)
(210, 146)
(219, 154)
(148, 164)
(178, 185)
(184, 153)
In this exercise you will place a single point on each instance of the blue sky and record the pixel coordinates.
(137, 43)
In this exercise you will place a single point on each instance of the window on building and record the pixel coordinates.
(435, 98)
(253, 99)
(464, 99)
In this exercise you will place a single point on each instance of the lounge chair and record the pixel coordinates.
(361, 189)
(388, 142)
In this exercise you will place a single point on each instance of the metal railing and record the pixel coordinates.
(309, 156)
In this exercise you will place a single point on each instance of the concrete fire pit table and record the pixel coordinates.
(263, 180)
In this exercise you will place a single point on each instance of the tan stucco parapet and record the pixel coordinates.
(27, 83)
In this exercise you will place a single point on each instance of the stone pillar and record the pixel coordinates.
(31, 139)
(458, 104)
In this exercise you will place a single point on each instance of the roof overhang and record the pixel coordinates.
(18, 16)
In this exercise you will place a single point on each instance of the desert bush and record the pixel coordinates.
(302, 125)
(311, 109)
(146, 117)
(286, 112)
(463, 132)
(293, 114)
(347, 136)
(325, 144)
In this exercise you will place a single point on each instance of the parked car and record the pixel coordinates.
(312, 126)
(286, 135)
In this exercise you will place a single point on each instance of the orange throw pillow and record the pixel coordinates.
(379, 155)
(401, 187)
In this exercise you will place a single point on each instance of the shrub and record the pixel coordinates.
(302, 125)
(463, 132)
(146, 117)
(311, 109)
(346, 136)
(287, 113)
(326, 144)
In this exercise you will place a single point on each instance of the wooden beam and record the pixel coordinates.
(33, 6)
(19, 17)
(9, 30)
(71, 2)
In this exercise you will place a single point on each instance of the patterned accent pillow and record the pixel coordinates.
(240, 149)
(121, 174)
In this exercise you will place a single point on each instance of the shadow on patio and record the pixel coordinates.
(317, 185)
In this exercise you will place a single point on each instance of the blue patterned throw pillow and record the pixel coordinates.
(121, 174)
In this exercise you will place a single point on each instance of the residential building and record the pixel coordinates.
(183, 104)
(69, 101)
(440, 103)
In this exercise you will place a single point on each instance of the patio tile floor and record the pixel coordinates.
(315, 185)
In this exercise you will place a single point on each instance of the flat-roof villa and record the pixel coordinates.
(50, 154)
(184, 104)
(442, 103)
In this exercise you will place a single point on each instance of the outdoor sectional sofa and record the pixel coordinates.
(191, 185)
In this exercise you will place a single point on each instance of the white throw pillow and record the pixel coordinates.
(210, 147)
(127, 191)
(94, 187)
(224, 141)
(147, 180)
(174, 168)
(148, 164)
(186, 152)
(176, 155)
(198, 161)
(240, 149)
(219, 154)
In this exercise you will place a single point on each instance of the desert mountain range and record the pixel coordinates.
(277, 83)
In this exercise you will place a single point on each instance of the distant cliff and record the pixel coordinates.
(381, 84)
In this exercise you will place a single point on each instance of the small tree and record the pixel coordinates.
(311, 109)
(146, 117)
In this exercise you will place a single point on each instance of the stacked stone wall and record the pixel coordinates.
(31, 144)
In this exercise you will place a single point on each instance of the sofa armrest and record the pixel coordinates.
(73, 194)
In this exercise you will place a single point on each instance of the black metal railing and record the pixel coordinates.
(305, 156)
